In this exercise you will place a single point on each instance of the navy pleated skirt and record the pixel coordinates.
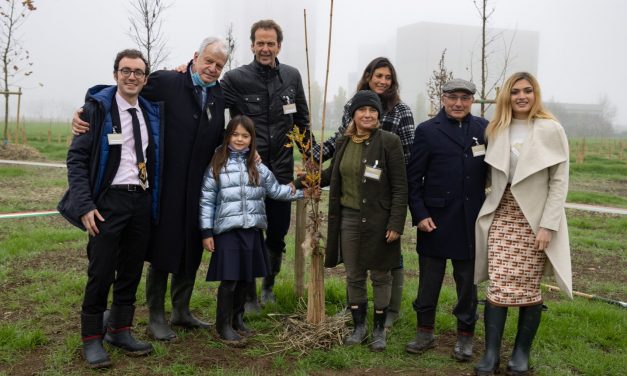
(240, 255)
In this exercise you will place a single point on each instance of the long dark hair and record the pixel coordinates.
(390, 97)
(222, 152)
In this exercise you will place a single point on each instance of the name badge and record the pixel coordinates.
(115, 139)
(289, 108)
(372, 172)
(208, 114)
(478, 150)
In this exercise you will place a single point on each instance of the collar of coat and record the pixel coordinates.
(545, 146)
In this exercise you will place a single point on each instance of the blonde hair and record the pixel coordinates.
(503, 114)
(351, 128)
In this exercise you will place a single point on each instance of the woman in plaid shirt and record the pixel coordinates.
(380, 77)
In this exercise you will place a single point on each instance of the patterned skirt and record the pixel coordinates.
(515, 267)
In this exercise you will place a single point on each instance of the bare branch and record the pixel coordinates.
(13, 57)
(146, 22)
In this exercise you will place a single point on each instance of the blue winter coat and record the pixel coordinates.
(446, 182)
(234, 202)
(92, 163)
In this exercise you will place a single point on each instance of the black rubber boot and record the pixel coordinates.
(119, 331)
(528, 323)
(252, 302)
(224, 316)
(379, 341)
(181, 291)
(494, 321)
(92, 333)
(394, 309)
(359, 325)
(267, 295)
(156, 286)
(238, 309)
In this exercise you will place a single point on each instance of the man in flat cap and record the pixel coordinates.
(446, 176)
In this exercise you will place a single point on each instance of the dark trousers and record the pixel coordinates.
(116, 254)
(279, 214)
(430, 279)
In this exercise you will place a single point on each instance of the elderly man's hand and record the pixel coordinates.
(79, 126)
(426, 225)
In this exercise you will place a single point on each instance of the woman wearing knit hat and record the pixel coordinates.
(379, 76)
(367, 209)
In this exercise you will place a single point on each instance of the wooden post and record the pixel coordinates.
(299, 252)
(19, 101)
(315, 297)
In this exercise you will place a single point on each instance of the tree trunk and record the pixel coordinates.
(315, 299)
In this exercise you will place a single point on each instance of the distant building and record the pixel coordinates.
(419, 47)
(583, 120)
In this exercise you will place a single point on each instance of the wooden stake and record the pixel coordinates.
(315, 299)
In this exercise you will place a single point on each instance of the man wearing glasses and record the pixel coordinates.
(446, 177)
(114, 182)
(194, 122)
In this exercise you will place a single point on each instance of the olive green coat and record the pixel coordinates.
(383, 203)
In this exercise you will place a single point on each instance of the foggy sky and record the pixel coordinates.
(73, 42)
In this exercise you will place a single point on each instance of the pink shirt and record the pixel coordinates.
(127, 171)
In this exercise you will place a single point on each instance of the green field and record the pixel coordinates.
(43, 271)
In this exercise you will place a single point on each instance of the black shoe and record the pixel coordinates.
(463, 347)
(424, 341)
(156, 285)
(494, 321)
(181, 290)
(528, 323)
(359, 325)
(379, 341)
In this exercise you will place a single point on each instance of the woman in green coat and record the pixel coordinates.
(367, 209)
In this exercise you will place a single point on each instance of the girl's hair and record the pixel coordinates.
(222, 152)
(390, 97)
(503, 114)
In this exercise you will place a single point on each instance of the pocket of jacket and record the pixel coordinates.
(253, 104)
(435, 202)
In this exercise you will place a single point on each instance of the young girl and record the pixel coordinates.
(232, 215)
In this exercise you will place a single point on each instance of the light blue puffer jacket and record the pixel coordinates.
(234, 202)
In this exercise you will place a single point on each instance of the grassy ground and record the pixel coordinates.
(42, 274)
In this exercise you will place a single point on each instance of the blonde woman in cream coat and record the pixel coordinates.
(521, 230)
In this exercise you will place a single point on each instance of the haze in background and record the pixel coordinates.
(581, 53)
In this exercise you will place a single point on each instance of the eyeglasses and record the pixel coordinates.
(455, 98)
(137, 72)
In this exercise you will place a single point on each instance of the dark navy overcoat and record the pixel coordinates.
(192, 133)
(446, 182)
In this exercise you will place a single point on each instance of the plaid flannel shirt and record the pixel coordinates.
(399, 121)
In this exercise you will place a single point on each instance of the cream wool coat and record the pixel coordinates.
(539, 185)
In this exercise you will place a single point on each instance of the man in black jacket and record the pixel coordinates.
(272, 95)
(113, 175)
